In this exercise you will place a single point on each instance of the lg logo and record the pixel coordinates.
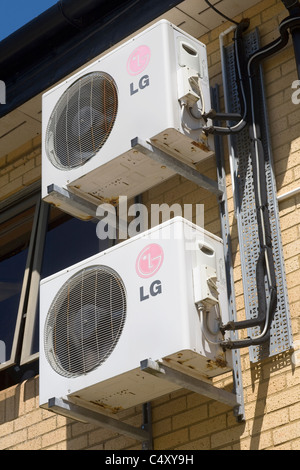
(138, 61)
(148, 263)
(154, 289)
(143, 83)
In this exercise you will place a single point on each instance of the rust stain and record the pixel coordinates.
(114, 201)
(201, 146)
(219, 362)
(112, 409)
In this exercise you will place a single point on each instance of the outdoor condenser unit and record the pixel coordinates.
(154, 87)
(138, 300)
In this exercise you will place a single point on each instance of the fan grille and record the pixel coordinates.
(82, 120)
(85, 321)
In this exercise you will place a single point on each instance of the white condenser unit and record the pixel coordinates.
(155, 87)
(138, 300)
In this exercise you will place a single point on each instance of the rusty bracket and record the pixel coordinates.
(80, 413)
(193, 384)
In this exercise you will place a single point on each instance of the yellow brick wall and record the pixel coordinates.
(20, 168)
(184, 420)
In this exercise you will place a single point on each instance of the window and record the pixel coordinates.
(68, 241)
(36, 241)
(16, 249)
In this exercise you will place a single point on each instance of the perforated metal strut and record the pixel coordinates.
(279, 337)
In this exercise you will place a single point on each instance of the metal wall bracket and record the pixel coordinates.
(179, 167)
(218, 188)
(78, 204)
(225, 230)
(195, 385)
(70, 410)
(234, 399)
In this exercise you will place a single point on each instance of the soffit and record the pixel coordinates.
(192, 16)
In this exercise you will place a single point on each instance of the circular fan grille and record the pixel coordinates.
(82, 120)
(85, 321)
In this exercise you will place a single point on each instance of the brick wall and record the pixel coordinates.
(184, 420)
(20, 168)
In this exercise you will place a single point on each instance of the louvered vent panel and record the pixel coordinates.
(85, 321)
(82, 120)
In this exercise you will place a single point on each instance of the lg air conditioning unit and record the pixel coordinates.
(154, 87)
(138, 300)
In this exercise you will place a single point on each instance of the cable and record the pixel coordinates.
(73, 22)
(201, 97)
(242, 123)
(263, 217)
(275, 45)
(185, 107)
(264, 52)
(265, 264)
(220, 13)
(208, 334)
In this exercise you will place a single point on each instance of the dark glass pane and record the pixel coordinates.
(69, 242)
(35, 339)
(11, 278)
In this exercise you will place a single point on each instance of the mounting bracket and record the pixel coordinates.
(218, 188)
(179, 167)
(194, 384)
(80, 413)
(235, 399)
(68, 198)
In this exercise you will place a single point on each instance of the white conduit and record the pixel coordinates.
(283, 197)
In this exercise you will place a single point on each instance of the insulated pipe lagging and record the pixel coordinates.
(238, 127)
(262, 338)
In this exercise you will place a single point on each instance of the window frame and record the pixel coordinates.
(24, 328)
(9, 211)
(34, 285)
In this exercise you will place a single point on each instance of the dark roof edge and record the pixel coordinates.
(60, 22)
(52, 46)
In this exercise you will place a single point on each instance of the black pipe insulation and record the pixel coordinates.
(276, 45)
(265, 268)
(265, 264)
(240, 72)
(254, 341)
(291, 23)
